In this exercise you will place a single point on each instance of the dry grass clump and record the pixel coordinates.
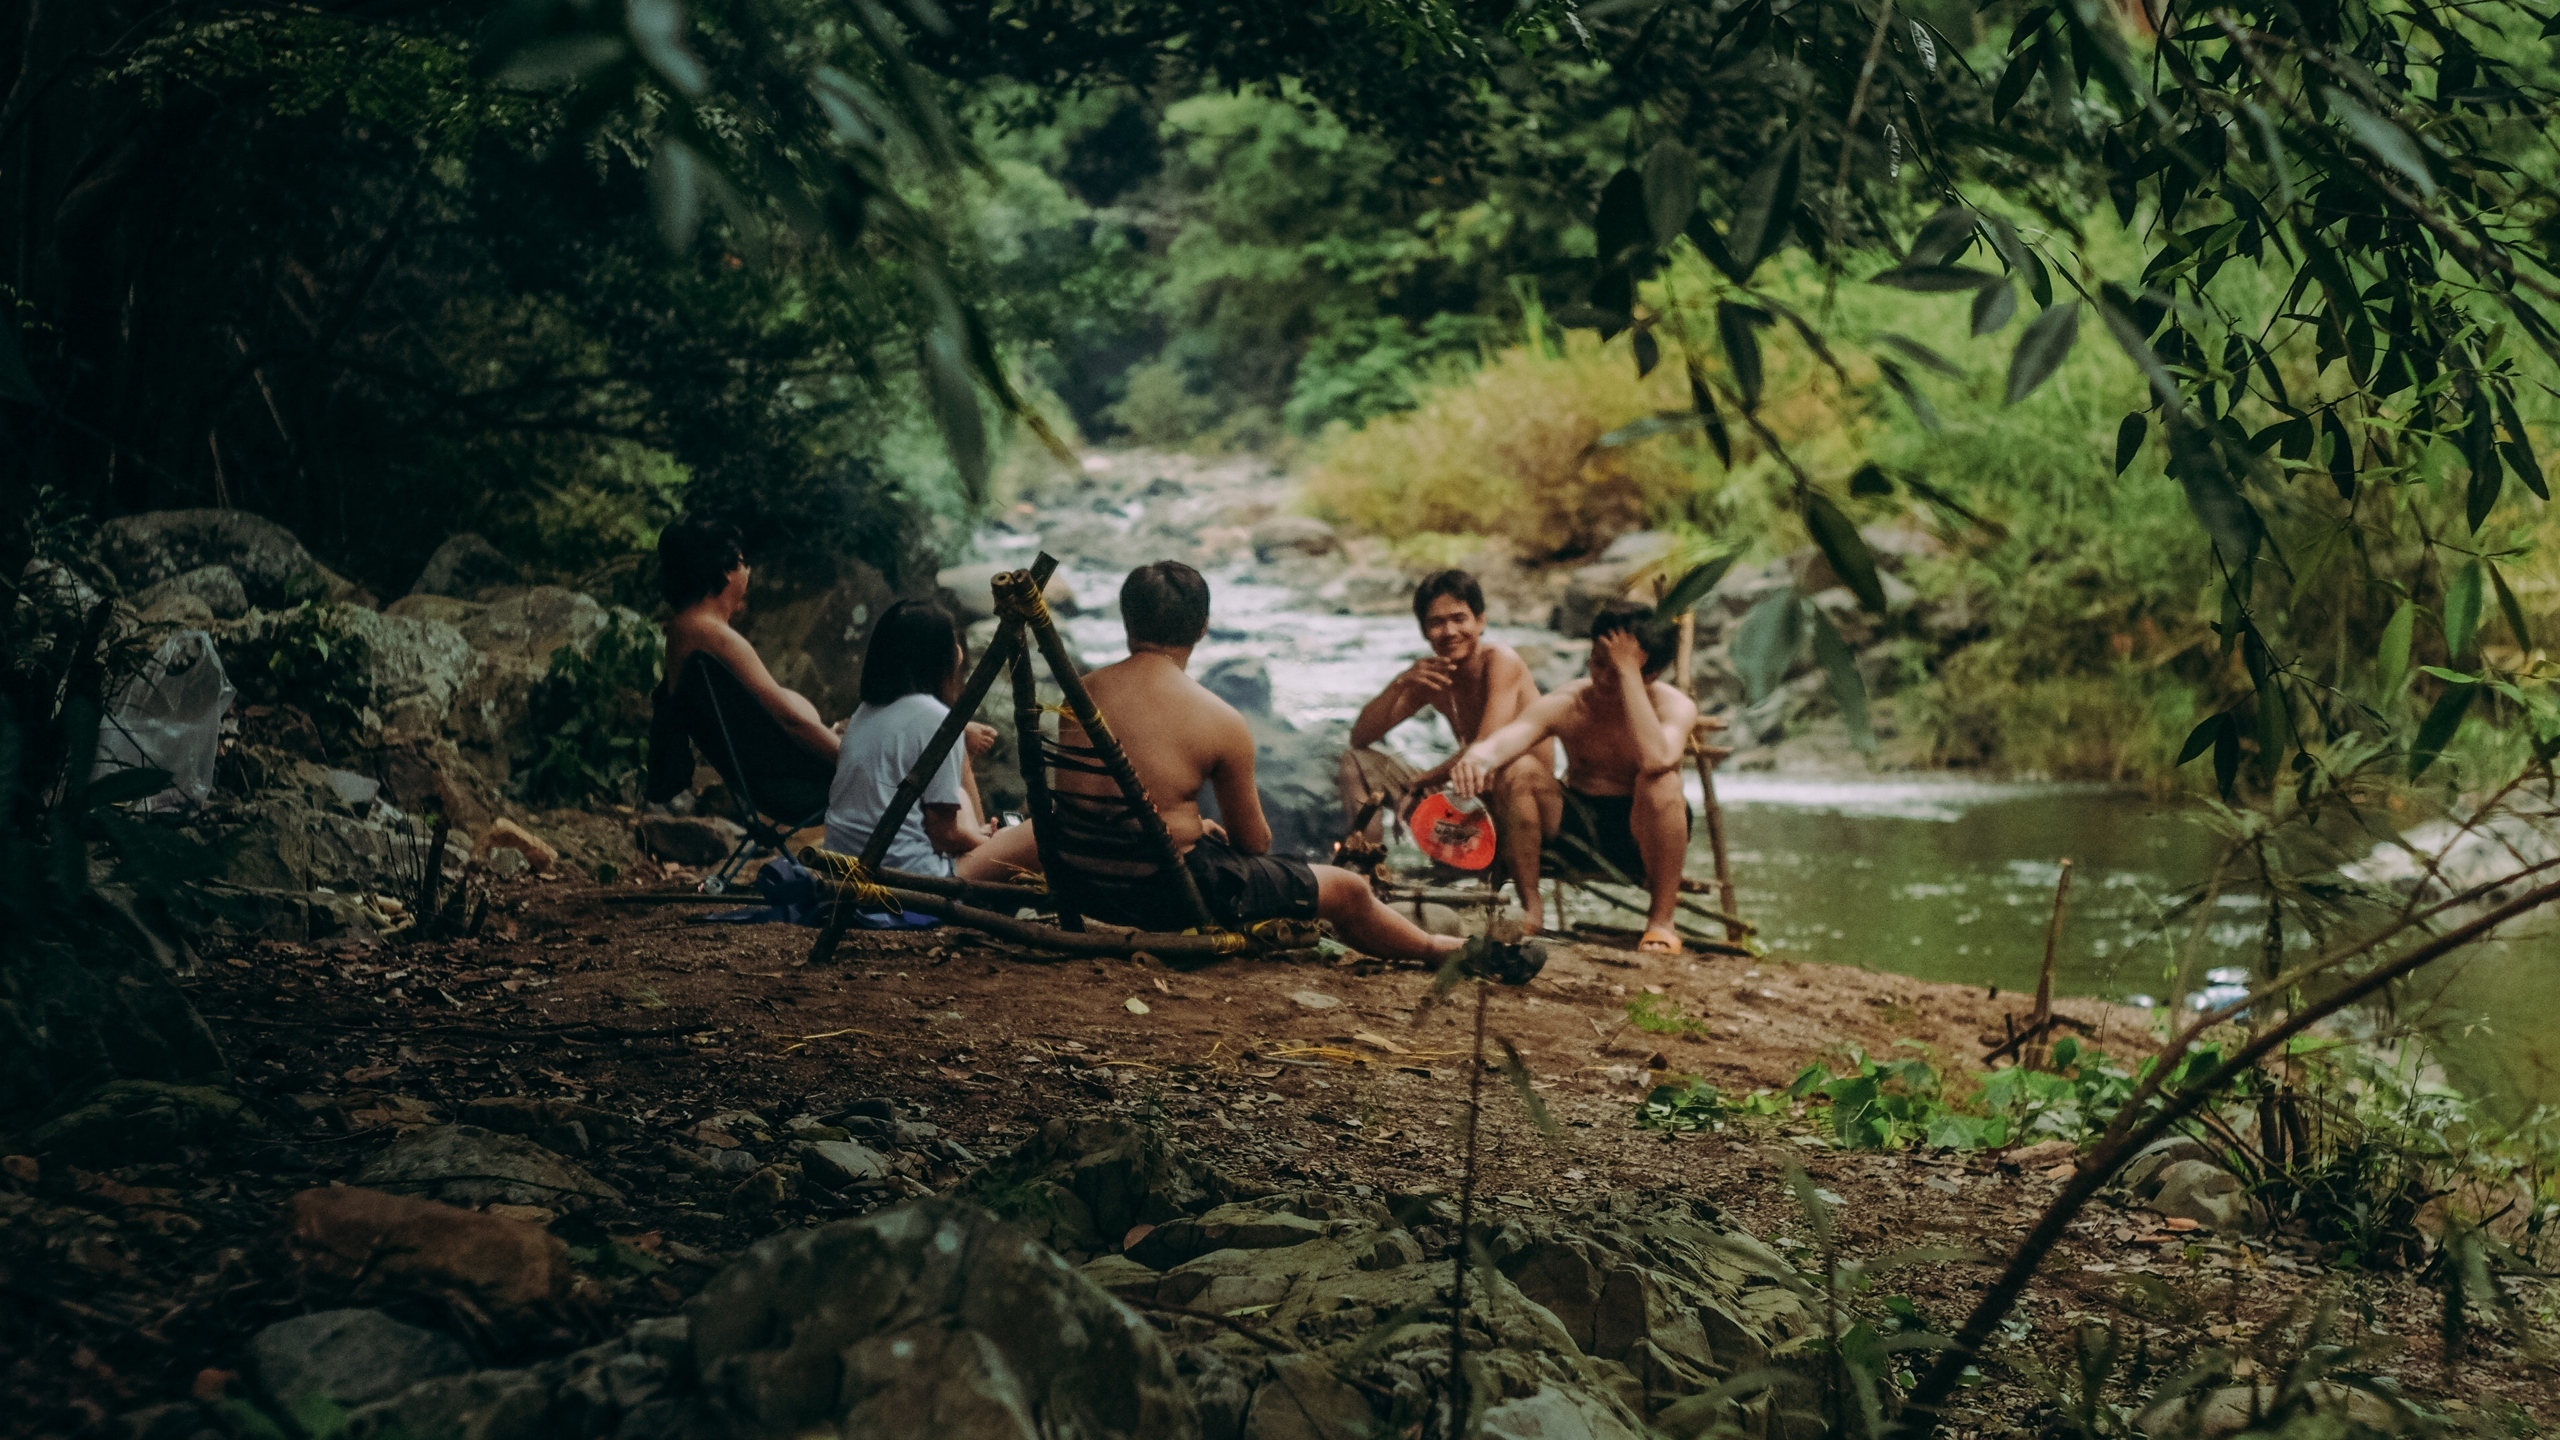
(1506, 452)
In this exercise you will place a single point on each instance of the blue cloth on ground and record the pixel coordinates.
(792, 898)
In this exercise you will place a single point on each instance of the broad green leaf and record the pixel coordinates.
(1670, 189)
(1993, 305)
(1702, 233)
(1739, 325)
(656, 28)
(2462, 596)
(1848, 688)
(1648, 352)
(2389, 143)
(2449, 676)
(954, 403)
(1766, 642)
(1845, 548)
(1921, 409)
(2508, 607)
(2200, 739)
(1768, 201)
(2226, 514)
(2518, 449)
(2488, 481)
(1942, 238)
(2342, 454)
(2226, 755)
(1870, 479)
(1686, 592)
(2042, 349)
(2438, 729)
(2391, 657)
(2129, 433)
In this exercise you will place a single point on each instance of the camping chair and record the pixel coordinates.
(778, 785)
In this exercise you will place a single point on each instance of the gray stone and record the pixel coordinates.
(506, 863)
(1366, 590)
(486, 1405)
(466, 567)
(530, 623)
(1304, 1400)
(1080, 1185)
(972, 589)
(466, 1165)
(350, 1357)
(688, 839)
(1550, 1413)
(356, 792)
(838, 1163)
(216, 587)
(930, 1319)
(562, 1125)
(131, 1122)
(1292, 535)
(1587, 592)
(2235, 1408)
(1228, 1227)
(270, 564)
(1392, 1250)
(2204, 1192)
(1242, 681)
(2141, 1175)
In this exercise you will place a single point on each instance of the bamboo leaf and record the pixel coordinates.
(1845, 548)
(1934, 279)
(1993, 305)
(1648, 352)
(1944, 236)
(1739, 325)
(2508, 607)
(1516, 1070)
(1922, 354)
(2462, 598)
(1765, 644)
(1686, 592)
(2042, 350)
(1622, 223)
(1670, 189)
(2389, 143)
(2342, 454)
(1768, 200)
(2129, 435)
(954, 403)
(2226, 755)
(1703, 400)
(2200, 739)
(2391, 656)
(1921, 409)
(2438, 729)
(1848, 688)
(675, 193)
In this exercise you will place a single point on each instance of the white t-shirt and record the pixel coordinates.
(881, 744)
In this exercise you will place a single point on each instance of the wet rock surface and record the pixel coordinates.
(349, 1357)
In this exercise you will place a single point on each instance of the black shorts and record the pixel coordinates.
(1602, 824)
(1238, 888)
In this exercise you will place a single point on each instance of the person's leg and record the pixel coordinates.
(1009, 855)
(1354, 786)
(1528, 806)
(1659, 819)
(1344, 897)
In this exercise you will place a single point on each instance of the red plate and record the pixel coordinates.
(1451, 836)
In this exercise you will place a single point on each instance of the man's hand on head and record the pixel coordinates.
(1622, 650)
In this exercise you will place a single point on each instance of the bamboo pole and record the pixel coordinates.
(1683, 664)
(1093, 940)
(1035, 780)
(1022, 589)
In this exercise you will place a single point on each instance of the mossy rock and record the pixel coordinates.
(131, 1121)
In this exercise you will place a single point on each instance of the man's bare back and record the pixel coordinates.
(1178, 737)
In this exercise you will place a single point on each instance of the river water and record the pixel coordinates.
(1940, 877)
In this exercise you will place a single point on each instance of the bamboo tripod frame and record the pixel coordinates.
(1019, 604)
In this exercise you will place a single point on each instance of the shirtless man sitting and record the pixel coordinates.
(1624, 734)
(1479, 688)
(703, 576)
(1179, 737)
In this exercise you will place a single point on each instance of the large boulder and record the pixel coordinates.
(1293, 768)
(466, 567)
(927, 1320)
(1283, 535)
(216, 588)
(272, 567)
(813, 642)
(971, 589)
(527, 625)
(379, 1243)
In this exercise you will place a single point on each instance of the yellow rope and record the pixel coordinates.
(848, 874)
(1018, 599)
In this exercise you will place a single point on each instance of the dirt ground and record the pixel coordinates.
(125, 1287)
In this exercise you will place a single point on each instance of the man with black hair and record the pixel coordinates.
(703, 575)
(1179, 737)
(1478, 688)
(1625, 734)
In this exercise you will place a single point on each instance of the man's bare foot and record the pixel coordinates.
(1659, 940)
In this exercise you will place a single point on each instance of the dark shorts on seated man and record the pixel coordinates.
(1239, 890)
(1602, 825)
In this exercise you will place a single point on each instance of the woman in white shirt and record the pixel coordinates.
(911, 674)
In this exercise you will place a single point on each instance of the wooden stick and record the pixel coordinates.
(1092, 940)
(1035, 778)
(2042, 1018)
(1106, 746)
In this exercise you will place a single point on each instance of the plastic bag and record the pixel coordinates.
(169, 717)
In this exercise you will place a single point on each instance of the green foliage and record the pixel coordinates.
(1690, 1104)
(591, 709)
(1660, 1015)
(311, 657)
